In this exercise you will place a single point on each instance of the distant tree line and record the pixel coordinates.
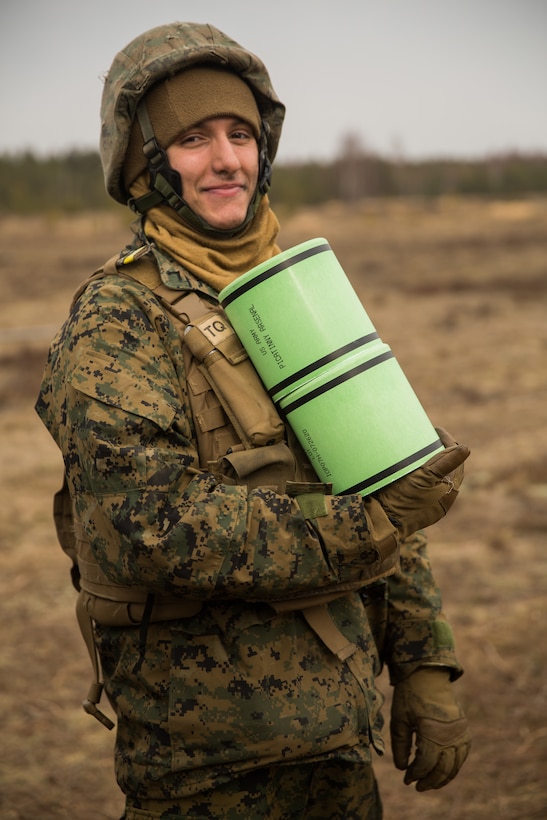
(357, 174)
(74, 182)
(64, 182)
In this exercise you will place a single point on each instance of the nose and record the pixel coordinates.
(225, 158)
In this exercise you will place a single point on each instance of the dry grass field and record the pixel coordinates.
(458, 288)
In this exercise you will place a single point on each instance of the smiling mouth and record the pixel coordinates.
(228, 188)
(227, 192)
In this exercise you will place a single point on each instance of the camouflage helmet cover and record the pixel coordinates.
(162, 52)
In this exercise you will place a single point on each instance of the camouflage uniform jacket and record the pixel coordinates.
(237, 685)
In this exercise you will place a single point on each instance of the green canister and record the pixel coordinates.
(296, 315)
(361, 424)
(338, 385)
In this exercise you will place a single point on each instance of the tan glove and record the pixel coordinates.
(424, 705)
(425, 495)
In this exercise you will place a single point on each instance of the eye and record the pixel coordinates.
(189, 139)
(242, 134)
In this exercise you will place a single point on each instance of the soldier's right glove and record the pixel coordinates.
(425, 495)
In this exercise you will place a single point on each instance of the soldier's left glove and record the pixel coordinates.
(425, 495)
(424, 707)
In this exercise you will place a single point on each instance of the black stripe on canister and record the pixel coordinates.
(262, 277)
(330, 357)
(389, 471)
(343, 377)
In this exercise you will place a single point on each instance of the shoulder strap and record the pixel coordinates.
(186, 305)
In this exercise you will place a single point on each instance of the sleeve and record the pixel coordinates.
(154, 521)
(417, 632)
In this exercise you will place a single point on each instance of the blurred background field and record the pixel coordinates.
(457, 286)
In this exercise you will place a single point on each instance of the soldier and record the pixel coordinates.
(240, 611)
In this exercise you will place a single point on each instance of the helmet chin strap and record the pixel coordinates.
(166, 183)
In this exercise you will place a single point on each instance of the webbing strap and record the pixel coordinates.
(96, 688)
(185, 305)
(320, 620)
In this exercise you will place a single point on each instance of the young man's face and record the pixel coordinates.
(218, 164)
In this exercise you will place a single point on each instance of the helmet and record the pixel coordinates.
(162, 52)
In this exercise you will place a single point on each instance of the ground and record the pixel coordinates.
(458, 289)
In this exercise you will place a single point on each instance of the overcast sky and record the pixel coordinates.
(420, 78)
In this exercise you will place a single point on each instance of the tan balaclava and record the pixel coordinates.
(174, 106)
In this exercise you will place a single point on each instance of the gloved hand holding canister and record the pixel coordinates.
(425, 495)
(425, 710)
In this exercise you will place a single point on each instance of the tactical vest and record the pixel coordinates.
(241, 439)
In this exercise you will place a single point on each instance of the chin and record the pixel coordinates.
(229, 216)
(228, 224)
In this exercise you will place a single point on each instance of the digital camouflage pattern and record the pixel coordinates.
(334, 789)
(117, 404)
(236, 686)
(160, 53)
